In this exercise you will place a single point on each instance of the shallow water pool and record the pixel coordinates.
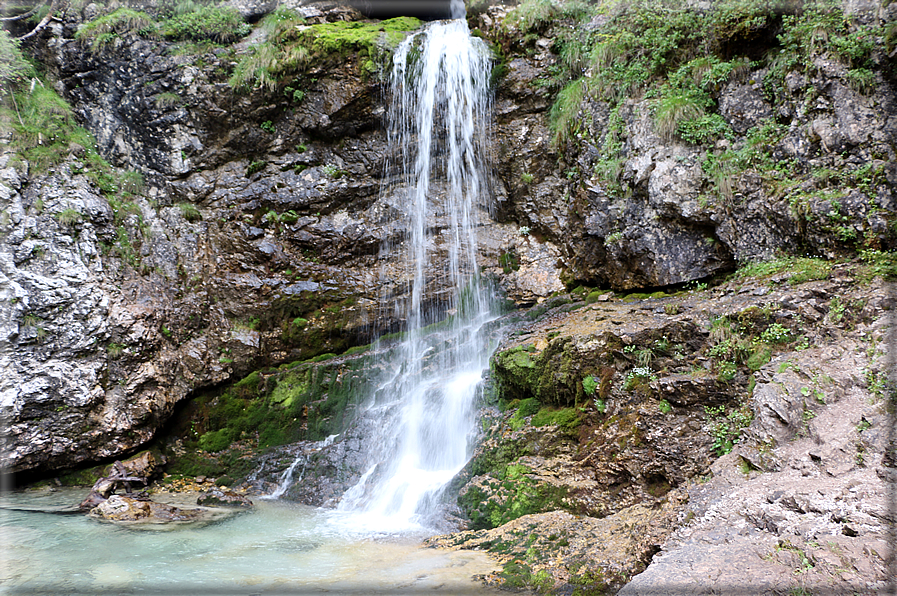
(278, 547)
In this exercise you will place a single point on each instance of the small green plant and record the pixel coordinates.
(671, 308)
(250, 324)
(726, 371)
(589, 385)
(613, 238)
(115, 351)
(704, 129)
(509, 262)
(836, 310)
(664, 407)
(675, 108)
(255, 167)
(68, 217)
(167, 100)
(526, 177)
(638, 377)
(131, 183)
(190, 212)
(294, 95)
(333, 171)
(268, 126)
(776, 334)
(726, 429)
(563, 117)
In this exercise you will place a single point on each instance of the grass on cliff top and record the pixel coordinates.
(197, 23)
(291, 46)
(42, 126)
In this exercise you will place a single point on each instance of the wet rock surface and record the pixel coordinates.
(797, 501)
(256, 241)
(218, 497)
(245, 248)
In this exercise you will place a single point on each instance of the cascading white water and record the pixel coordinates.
(438, 128)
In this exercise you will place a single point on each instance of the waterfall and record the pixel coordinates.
(438, 118)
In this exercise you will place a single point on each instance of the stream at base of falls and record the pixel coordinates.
(278, 547)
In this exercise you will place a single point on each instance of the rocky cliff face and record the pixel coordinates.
(254, 239)
(660, 165)
(240, 225)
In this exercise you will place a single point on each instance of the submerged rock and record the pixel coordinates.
(218, 497)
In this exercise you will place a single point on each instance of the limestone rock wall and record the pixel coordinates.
(256, 239)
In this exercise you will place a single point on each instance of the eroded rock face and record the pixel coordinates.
(662, 216)
(248, 246)
(621, 406)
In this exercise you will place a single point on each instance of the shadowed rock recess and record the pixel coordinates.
(692, 216)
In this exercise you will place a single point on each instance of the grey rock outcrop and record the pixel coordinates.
(655, 213)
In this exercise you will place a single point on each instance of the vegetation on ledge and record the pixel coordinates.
(291, 47)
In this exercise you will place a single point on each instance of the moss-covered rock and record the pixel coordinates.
(301, 401)
(490, 502)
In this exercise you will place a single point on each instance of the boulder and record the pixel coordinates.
(119, 508)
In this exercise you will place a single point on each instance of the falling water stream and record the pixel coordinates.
(438, 115)
(424, 405)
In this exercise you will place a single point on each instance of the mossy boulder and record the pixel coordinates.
(490, 502)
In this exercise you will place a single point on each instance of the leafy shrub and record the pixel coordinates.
(776, 334)
(861, 80)
(725, 428)
(704, 129)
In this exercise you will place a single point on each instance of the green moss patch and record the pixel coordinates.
(341, 37)
(291, 48)
(567, 419)
(511, 495)
(306, 400)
